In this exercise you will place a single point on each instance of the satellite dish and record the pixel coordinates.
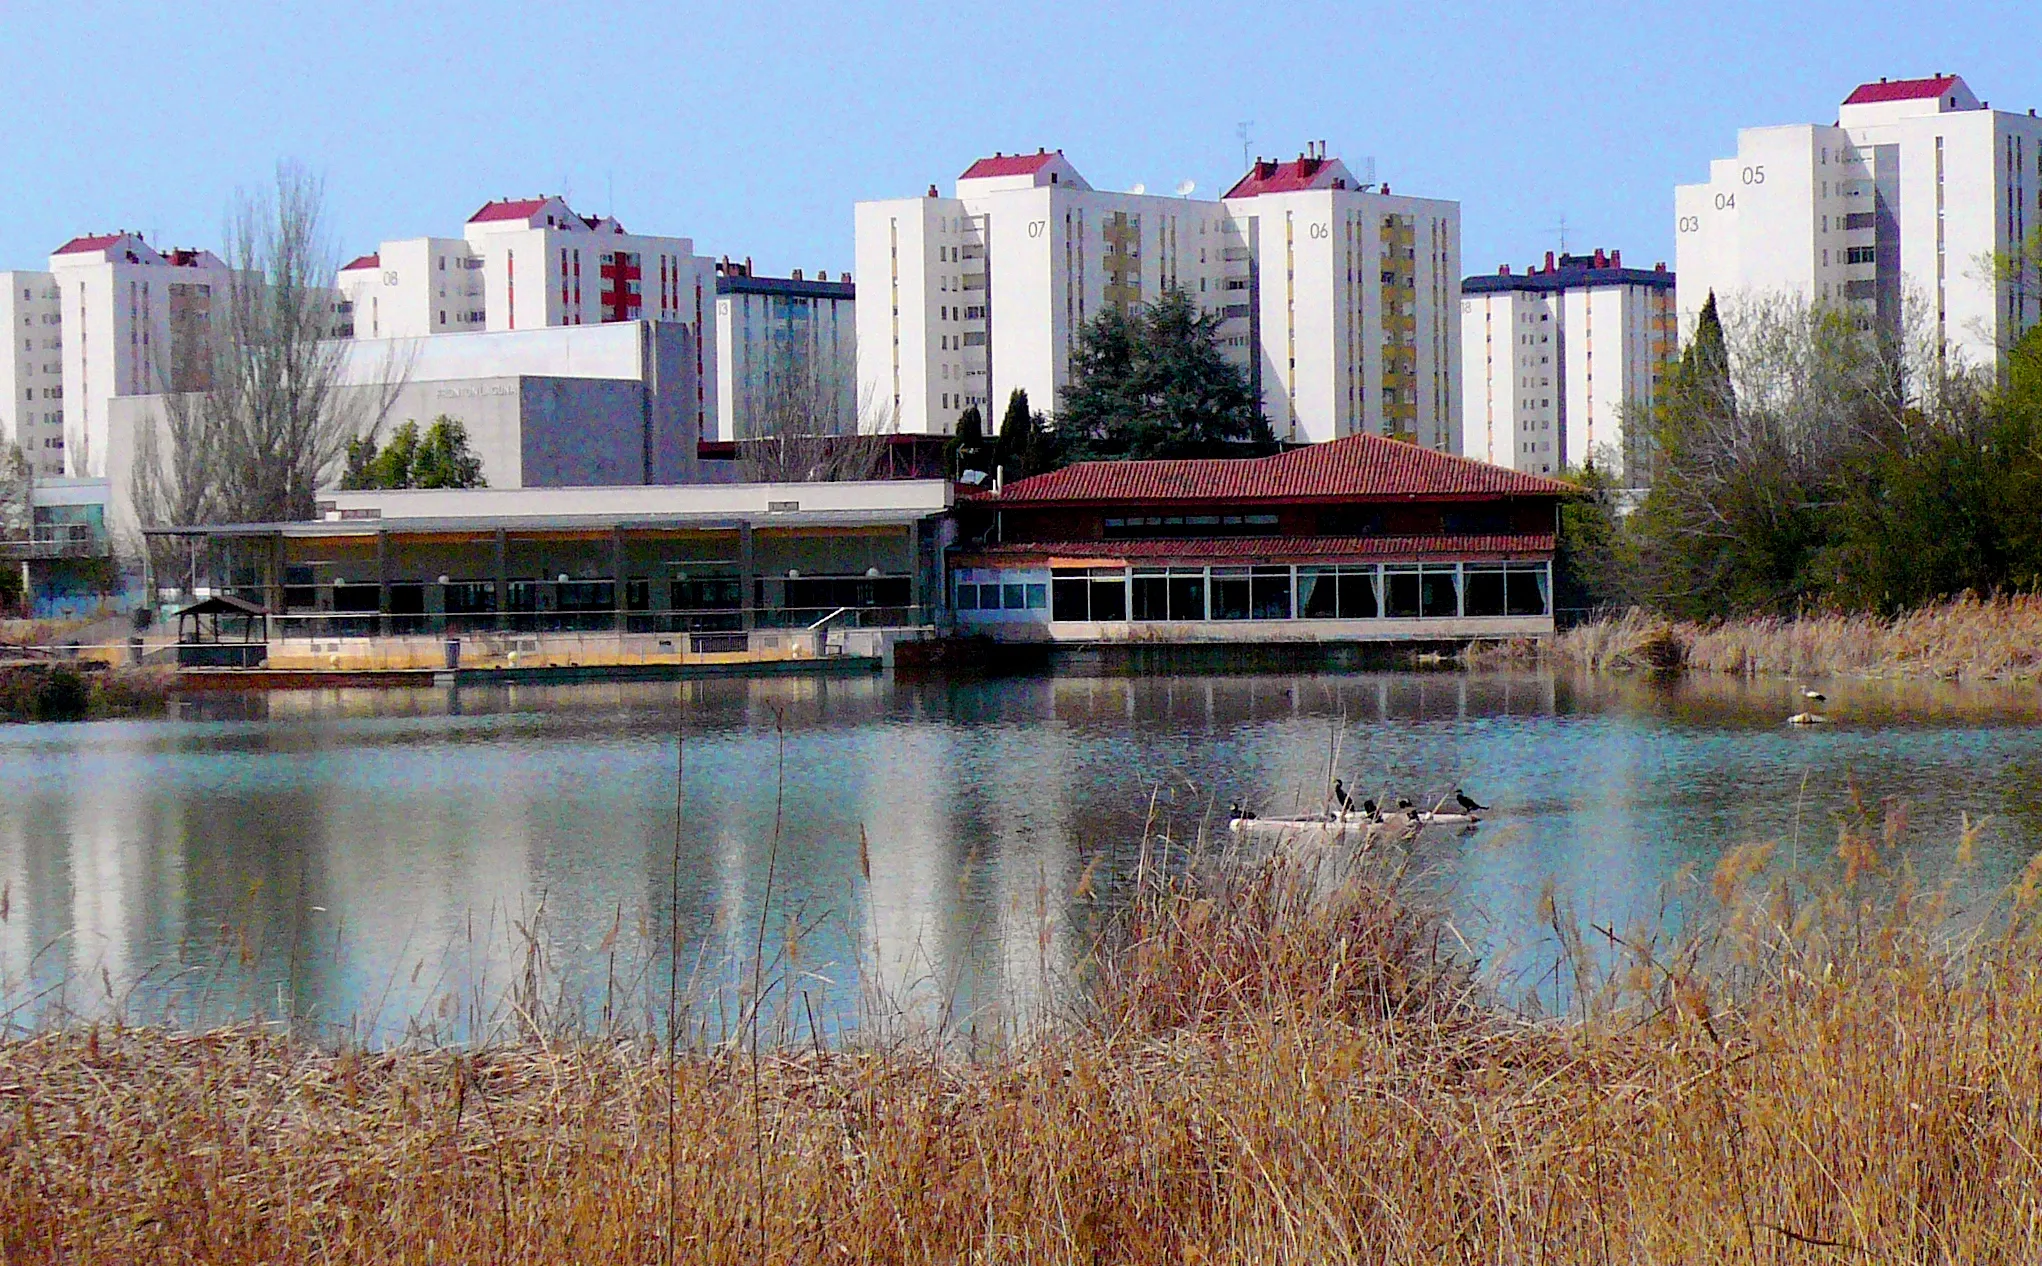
(1184, 189)
(1139, 187)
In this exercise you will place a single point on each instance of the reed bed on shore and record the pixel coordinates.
(1972, 639)
(1284, 1059)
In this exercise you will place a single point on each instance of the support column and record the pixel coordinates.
(502, 580)
(382, 583)
(915, 586)
(747, 580)
(617, 583)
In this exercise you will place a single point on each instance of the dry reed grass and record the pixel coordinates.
(1971, 638)
(1283, 1062)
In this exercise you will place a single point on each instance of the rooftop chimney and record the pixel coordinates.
(1549, 261)
(1616, 259)
(747, 265)
(1503, 270)
(932, 191)
(797, 274)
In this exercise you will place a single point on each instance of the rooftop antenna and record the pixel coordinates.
(1245, 130)
(1368, 172)
(1562, 231)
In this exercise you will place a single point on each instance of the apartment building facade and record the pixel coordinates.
(133, 321)
(1334, 296)
(786, 351)
(1908, 197)
(536, 263)
(1559, 360)
(32, 371)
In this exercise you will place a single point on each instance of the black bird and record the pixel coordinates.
(1369, 807)
(1240, 813)
(1341, 798)
(1813, 696)
(1466, 802)
(1406, 808)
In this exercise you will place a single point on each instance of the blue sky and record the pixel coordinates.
(753, 128)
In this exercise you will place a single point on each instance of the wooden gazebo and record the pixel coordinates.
(222, 632)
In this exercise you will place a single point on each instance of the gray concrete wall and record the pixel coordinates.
(580, 433)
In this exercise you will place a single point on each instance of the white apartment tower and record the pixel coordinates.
(32, 371)
(134, 321)
(1914, 190)
(1556, 360)
(1337, 298)
(533, 263)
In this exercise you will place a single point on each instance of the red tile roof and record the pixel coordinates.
(508, 209)
(1900, 90)
(373, 259)
(1008, 165)
(80, 245)
(1273, 177)
(1358, 467)
(1270, 549)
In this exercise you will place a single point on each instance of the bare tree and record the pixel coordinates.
(804, 429)
(256, 416)
(17, 491)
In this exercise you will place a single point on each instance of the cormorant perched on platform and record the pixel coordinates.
(1405, 807)
(1239, 813)
(1466, 802)
(1369, 807)
(1341, 799)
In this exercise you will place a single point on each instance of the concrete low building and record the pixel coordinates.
(1362, 539)
(584, 576)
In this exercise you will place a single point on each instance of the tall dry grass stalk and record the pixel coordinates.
(1970, 638)
(1282, 1060)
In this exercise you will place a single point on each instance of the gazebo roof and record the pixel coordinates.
(222, 604)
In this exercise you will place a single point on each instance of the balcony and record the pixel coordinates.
(56, 540)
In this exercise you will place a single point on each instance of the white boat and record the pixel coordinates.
(1354, 821)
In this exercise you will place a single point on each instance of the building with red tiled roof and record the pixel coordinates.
(1914, 181)
(1337, 300)
(1357, 540)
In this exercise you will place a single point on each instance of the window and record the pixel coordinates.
(1169, 593)
(1337, 593)
(967, 596)
(1400, 592)
(1095, 594)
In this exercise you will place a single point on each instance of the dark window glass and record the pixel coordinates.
(1526, 594)
(1151, 597)
(1069, 598)
(1485, 591)
(1440, 594)
(356, 597)
(1318, 593)
(1038, 597)
(1109, 599)
(1357, 595)
(588, 595)
(967, 596)
(708, 593)
(471, 597)
(638, 595)
(1187, 597)
(1013, 597)
(1269, 590)
(1230, 596)
(1403, 594)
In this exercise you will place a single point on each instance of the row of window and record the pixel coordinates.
(1270, 592)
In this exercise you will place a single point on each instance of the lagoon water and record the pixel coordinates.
(925, 853)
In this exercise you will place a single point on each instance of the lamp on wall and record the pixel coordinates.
(871, 573)
(563, 578)
(445, 581)
(793, 573)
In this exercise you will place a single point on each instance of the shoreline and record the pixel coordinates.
(1966, 640)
